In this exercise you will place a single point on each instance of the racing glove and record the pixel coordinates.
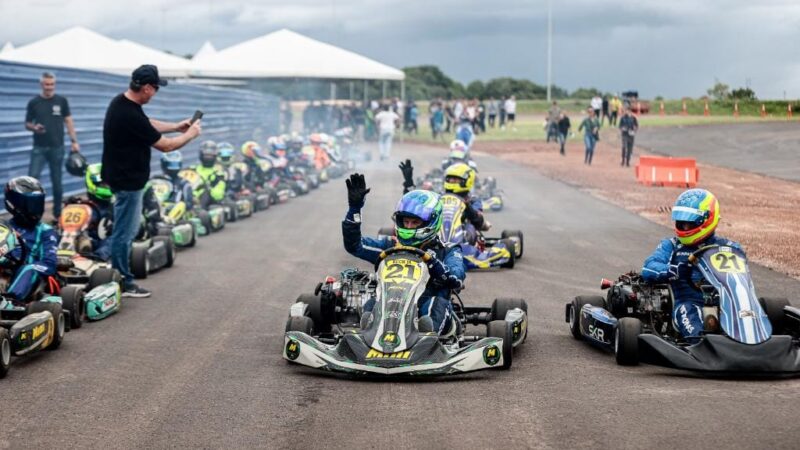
(408, 174)
(356, 191)
(680, 271)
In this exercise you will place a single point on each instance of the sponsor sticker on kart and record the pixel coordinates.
(727, 262)
(401, 271)
(491, 355)
(292, 349)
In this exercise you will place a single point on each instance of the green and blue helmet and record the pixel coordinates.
(95, 186)
(422, 205)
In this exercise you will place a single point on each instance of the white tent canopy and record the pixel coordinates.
(286, 54)
(206, 50)
(7, 47)
(82, 48)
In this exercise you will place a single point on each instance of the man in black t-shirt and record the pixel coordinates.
(46, 116)
(128, 135)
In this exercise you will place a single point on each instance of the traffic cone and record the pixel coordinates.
(706, 112)
(763, 110)
(683, 108)
(736, 109)
(789, 111)
(661, 109)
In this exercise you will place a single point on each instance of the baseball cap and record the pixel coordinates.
(147, 74)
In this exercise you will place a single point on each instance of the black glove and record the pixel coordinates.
(356, 190)
(682, 271)
(408, 173)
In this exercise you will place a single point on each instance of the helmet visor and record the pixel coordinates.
(688, 214)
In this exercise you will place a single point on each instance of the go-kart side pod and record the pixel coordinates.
(494, 203)
(721, 355)
(103, 301)
(428, 357)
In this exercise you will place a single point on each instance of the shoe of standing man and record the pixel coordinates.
(133, 290)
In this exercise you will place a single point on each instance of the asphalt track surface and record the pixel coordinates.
(768, 148)
(199, 364)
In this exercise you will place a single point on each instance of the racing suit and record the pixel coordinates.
(214, 189)
(102, 218)
(669, 263)
(38, 258)
(446, 273)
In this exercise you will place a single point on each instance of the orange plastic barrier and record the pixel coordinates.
(666, 171)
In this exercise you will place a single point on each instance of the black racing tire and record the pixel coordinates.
(253, 199)
(626, 341)
(517, 234)
(193, 239)
(501, 305)
(386, 231)
(72, 301)
(103, 275)
(164, 231)
(5, 353)
(169, 244)
(503, 329)
(140, 262)
(303, 324)
(234, 210)
(205, 219)
(577, 305)
(60, 320)
(321, 313)
(773, 307)
(513, 259)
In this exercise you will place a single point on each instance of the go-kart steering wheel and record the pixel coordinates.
(402, 248)
(696, 254)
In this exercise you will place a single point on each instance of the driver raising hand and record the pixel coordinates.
(696, 215)
(418, 218)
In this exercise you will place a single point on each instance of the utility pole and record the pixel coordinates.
(549, 48)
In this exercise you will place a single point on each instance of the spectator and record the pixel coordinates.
(511, 111)
(413, 115)
(286, 117)
(628, 126)
(606, 115)
(597, 105)
(46, 115)
(492, 110)
(128, 135)
(591, 134)
(563, 130)
(501, 105)
(616, 107)
(449, 116)
(357, 116)
(553, 116)
(482, 116)
(437, 122)
(387, 121)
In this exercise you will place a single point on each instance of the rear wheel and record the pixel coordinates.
(626, 341)
(773, 307)
(500, 306)
(5, 352)
(205, 219)
(72, 301)
(575, 312)
(322, 313)
(515, 234)
(102, 276)
(58, 316)
(140, 262)
(169, 244)
(502, 329)
(510, 245)
(303, 324)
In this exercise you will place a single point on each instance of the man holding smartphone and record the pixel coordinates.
(128, 135)
(46, 115)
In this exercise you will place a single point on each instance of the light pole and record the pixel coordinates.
(549, 48)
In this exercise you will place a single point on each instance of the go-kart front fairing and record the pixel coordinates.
(390, 343)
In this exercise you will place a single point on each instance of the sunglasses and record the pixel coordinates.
(155, 87)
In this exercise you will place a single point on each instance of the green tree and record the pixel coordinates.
(583, 93)
(719, 91)
(743, 94)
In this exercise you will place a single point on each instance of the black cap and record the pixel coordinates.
(147, 74)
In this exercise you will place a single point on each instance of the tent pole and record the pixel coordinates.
(333, 91)
(384, 89)
(402, 90)
(351, 90)
(366, 91)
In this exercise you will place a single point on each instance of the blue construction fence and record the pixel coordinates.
(232, 115)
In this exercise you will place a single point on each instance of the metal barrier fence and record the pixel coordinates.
(231, 115)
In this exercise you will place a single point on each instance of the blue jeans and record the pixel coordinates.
(54, 158)
(385, 144)
(562, 139)
(127, 219)
(589, 141)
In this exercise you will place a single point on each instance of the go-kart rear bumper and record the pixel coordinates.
(720, 355)
(426, 358)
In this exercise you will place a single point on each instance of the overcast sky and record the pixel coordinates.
(660, 47)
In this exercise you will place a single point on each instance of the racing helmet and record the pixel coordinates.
(696, 216)
(76, 164)
(171, 163)
(295, 142)
(208, 145)
(251, 150)
(273, 141)
(315, 138)
(459, 178)
(208, 155)
(225, 153)
(422, 205)
(25, 200)
(458, 150)
(96, 188)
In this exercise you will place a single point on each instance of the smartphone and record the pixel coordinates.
(197, 116)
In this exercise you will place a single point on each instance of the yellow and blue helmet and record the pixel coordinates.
(459, 178)
(425, 206)
(696, 216)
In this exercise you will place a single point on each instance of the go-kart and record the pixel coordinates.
(330, 330)
(151, 253)
(479, 252)
(213, 217)
(175, 216)
(88, 286)
(491, 197)
(259, 198)
(743, 334)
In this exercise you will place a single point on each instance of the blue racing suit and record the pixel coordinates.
(465, 134)
(446, 273)
(37, 254)
(670, 264)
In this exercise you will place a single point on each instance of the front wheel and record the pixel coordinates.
(773, 307)
(5, 353)
(574, 317)
(502, 329)
(515, 235)
(512, 255)
(169, 245)
(302, 324)
(626, 341)
(60, 322)
(140, 261)
(72, 301)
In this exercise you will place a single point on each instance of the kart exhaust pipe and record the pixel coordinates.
(605, 283)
